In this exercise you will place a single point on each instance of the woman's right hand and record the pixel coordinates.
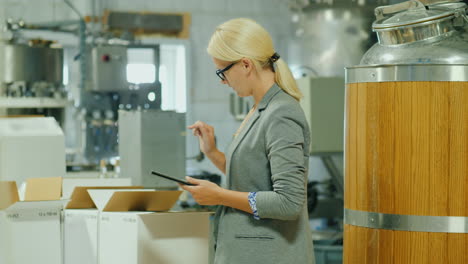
(206, 138)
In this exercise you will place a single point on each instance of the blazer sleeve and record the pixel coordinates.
(285, 139)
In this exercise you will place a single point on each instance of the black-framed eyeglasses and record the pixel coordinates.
(220, 72)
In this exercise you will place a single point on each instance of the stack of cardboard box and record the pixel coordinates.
(98, 225)
(30, 230)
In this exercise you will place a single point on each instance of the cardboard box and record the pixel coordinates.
(8, 196)
(32, 228)
(4, 241)
(22, 145)
(69, 184)
(134, 200)
(80, 228)
(80, 236)
(129, 233)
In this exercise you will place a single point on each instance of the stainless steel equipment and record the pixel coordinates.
(107, 91)
(412, 33)
(152, 140)
(31, 83)
(31, 79)
(34, 70)
(420, 43)
(330, 35)
(108, 68)
(31, 63)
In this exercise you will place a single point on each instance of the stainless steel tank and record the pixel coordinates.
(433, 34)
(34, 70)
(31, 63)
(406, 133)
(330, 35)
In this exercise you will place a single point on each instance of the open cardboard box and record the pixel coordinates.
(134, 200)
(80, 198)
(30, 230)
(69, 184)
(34, 225)
(8, 196)
(130, 232)
(81, 224)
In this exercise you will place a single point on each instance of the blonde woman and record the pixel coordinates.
(262, 214)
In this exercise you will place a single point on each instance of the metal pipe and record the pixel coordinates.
(74, 8)
(82, 44)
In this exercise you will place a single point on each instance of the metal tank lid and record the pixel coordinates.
(412, 13)
(414, 33)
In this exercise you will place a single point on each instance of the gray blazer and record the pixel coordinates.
(270, 157)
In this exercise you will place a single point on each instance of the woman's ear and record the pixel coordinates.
(247, 64)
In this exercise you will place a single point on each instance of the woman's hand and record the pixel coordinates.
(204, 192)
(206, 138)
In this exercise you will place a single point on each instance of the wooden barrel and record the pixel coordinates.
(406, 165)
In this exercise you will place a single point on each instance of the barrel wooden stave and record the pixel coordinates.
(406, 153)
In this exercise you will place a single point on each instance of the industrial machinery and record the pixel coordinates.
(106, 63)
(32, 69)
(152, 140)
(329, 35)
(31, 78)
(107, 91)
(406, 138)
(32, 84)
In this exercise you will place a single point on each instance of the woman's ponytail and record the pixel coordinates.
(285, 79)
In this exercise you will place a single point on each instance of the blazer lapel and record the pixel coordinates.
(235, 142)
(245, 130)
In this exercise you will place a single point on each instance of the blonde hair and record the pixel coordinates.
(244, 38)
